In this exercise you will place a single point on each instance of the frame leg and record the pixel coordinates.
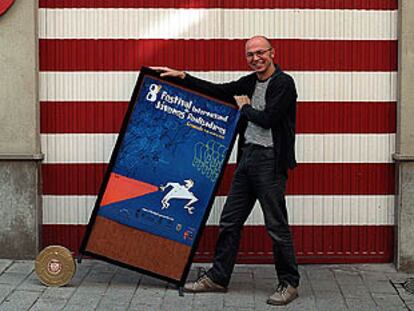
(180, 291)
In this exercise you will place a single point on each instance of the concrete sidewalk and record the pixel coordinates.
(101, 286)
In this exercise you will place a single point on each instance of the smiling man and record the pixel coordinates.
(267, 102)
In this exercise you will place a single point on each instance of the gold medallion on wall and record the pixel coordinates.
(55, 266)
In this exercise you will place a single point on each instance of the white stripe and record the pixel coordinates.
(311, 86)
(310, 148)
(227, 24)
(302, 210)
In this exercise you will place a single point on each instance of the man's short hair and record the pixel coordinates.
(262, 37)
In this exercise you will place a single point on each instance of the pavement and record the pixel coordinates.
(101, 286)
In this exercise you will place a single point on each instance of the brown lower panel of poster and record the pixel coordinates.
(138, 248)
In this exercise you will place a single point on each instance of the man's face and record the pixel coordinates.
(259, 55)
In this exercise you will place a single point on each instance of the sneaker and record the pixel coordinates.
(203, 284)
(284, 294)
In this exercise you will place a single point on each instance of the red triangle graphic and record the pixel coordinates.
(120, 188)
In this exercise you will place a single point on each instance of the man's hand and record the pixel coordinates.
(242, 100)
(168, 72)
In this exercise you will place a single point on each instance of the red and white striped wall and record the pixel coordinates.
(342, 55)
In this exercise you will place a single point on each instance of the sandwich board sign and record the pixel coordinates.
(162, 178)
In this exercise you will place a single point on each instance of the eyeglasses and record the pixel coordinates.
(258, 53)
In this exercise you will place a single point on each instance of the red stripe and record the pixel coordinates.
(341, 179)
(313, 244)
(312, 117)
(233, 4)
(218, 55)
(82, 117)
(346, 117)
(306, 179)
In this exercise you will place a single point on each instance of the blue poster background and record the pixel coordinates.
(176, 140)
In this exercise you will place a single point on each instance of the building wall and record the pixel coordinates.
(405, 140)
(342, 55)
(20, 214)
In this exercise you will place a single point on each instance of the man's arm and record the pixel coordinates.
(282, 97)
(169, 72)
(226, 91)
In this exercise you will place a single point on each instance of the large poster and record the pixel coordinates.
(162, 178)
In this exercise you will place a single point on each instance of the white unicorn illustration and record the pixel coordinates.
(181, 192)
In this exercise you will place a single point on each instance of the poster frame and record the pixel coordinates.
(144, 72)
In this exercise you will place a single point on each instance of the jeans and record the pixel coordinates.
(255, 178)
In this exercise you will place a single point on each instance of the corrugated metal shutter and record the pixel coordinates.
(342, 54)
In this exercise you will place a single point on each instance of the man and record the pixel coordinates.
(267, 102)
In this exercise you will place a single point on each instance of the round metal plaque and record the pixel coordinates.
(55, 266)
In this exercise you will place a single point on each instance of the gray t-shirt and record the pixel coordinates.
(256, 134)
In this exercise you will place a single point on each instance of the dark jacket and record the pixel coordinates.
(279, 113)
